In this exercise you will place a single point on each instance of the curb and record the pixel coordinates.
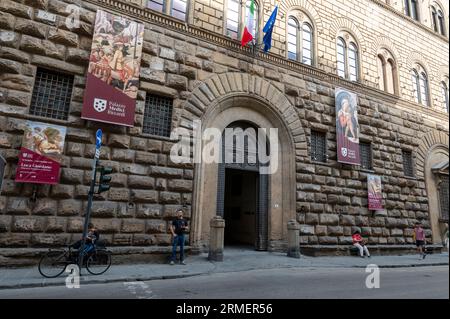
(164, 277)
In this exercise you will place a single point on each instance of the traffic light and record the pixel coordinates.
(105, 179)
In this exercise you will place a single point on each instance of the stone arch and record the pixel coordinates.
(344, 24)
(385, 42)
(442, 73)
(307, 7)
(428, 141)
(417, 57)
(218, 86)
(229, 97)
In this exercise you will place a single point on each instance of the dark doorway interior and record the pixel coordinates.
(240, 207)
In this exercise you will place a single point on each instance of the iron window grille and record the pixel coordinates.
(408, 167)
(443, 197)
(52, 93)
(318, 146)
(157, 115)
(366, 155)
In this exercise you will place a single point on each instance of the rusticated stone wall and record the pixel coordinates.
(147, 186)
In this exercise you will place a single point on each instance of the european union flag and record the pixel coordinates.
(268, 29)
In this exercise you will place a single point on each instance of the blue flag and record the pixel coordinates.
(268, 29)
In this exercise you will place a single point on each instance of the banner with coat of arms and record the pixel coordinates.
(114, 66)
(347, 127)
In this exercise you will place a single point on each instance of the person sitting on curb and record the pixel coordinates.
(419, 238)
(178, 229)
(359, 243)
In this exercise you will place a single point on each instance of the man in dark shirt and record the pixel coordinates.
(178, 229)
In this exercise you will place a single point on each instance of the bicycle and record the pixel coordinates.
(96, 260)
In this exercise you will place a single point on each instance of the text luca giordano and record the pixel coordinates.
(225, 308)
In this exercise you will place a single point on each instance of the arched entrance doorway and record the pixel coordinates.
(436, 180)
(242, 197)
(432, 160)
(231, 97)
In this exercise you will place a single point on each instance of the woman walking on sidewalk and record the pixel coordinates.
(419, 237)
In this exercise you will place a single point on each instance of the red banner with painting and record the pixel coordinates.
(114, 66)
(347, 127)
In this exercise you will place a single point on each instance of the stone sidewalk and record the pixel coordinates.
(235, 260)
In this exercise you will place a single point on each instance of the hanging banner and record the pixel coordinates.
(114, 66)
(41, 152)
(347, 127)
(375, 195)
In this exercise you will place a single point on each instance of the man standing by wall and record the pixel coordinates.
(178, 229)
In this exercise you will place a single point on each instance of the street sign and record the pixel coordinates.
(98, 143)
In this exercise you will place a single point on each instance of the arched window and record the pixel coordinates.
(391, 77)
(233, 18)
(347, 59)
(412, 9)
(353, 62)
(441, 20)
(157, 5)
(444, 96)
(387, 72)
(178, 9)
(420, 86)
(434, 18)
(292, 38)
(237, 16)
(381, 71)
(307, 44)
(416, 85)
(437, 19)
(341, 53)
(175, 8)
(300, 38)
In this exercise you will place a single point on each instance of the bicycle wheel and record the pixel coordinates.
(53, 264)
(99, 262)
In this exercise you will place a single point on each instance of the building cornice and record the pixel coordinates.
(149, 16)
(411, 20)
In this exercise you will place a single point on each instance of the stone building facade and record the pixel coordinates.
(205, 74)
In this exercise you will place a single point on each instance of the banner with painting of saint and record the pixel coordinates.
(41, 153)
(375, 196)
(114, 66)
(347, 127)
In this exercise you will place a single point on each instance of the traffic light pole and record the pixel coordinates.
(87, 217)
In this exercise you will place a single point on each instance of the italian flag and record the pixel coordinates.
(247, 36)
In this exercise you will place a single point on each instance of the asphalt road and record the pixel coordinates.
(291, 283)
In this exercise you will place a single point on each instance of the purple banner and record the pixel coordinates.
(375, 195)
(347, 127)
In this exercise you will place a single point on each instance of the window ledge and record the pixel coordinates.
(157, 137)
(321, 163)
